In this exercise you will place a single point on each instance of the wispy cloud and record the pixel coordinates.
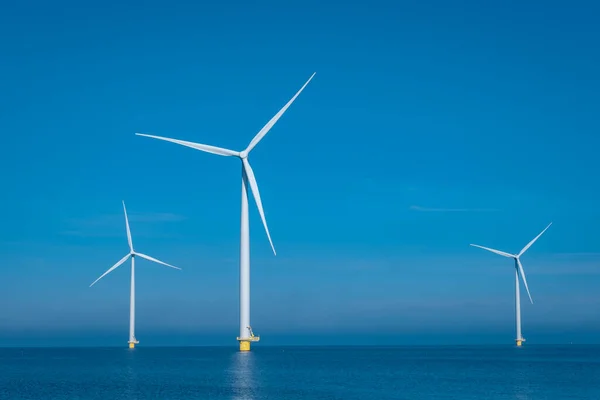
(580, 254)
(157, 217)
(568, 264)
(432, 209)
(112, 219)
(582, 269)
(107, 225)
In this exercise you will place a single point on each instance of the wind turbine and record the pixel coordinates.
(246, 336)
(132, 340)
(518, 269)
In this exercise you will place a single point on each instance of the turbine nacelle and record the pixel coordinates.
(517, 258)
(242, 155)
(131, 253)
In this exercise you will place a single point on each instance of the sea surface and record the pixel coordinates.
(290, 373)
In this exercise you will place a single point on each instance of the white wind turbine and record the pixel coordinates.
(132, 340)
(518, 269)
(246, 334)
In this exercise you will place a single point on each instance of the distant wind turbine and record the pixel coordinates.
(518, 269)
(132, 340)
(246, 335)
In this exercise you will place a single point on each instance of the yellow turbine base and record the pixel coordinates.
(245, 342)
(244, 345)
(519, 343)
(131, 345)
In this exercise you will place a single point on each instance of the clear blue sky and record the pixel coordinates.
(428, 126)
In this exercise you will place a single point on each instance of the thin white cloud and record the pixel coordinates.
(108, 225)
(431, 209)
(568, 264)
(112, 219)
(569, 270)
(580, 254)
(157, 217)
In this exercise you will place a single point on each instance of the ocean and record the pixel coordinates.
(308, 373)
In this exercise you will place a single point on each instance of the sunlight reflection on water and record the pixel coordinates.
(243, 382)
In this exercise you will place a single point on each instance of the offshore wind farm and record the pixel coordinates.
(391, 189)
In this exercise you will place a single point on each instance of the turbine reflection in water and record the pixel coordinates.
(521, 385)
(242, 376)
(130, 375)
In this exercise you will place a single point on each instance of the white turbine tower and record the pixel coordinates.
(132, 340)
(246, 335)
(518, 269)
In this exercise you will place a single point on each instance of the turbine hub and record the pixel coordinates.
(243, 154)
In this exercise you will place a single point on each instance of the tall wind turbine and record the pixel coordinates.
(132, 340)
(246, 335)
(518, 269)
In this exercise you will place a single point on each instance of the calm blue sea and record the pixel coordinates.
(289, 373)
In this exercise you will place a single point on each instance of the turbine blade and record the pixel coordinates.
(534, 239)
(198, 146)
(121, 261)
(502, 253)
(522, 271)
(128, 231)
(156, 261)
(273, 120)
(256, 194)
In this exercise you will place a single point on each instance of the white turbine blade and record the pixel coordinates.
(494, 251)
(256, 194)
(156, 261)
(127, 225)
(273, 120)
(198, 146)
(121, 261)
(534, 239)
(522, 271)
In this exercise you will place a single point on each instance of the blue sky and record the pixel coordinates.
(426, 128)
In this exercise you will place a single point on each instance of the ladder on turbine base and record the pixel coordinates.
(252, 337)
(133, 342)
